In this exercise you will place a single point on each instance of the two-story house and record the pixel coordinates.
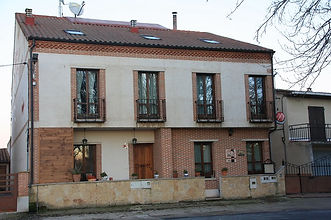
(127, 97)
(305, 135)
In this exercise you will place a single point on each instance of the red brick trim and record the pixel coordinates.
(194, 94)
(98, 159)
(247, 97)
(146, 52)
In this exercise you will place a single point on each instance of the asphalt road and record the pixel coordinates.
(293, 215)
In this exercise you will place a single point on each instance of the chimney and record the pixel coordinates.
(174, 20)
(29, 20)
(133, 28)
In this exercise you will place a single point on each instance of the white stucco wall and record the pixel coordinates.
(55, 88)
(19, 104)
(115, 158)
(297, 109)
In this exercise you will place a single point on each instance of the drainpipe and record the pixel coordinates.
(31, 107)
(274, 104)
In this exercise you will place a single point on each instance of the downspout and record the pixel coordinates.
(274, 104)
(31, 108)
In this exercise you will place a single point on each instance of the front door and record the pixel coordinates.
(143, 160)
(317, 123)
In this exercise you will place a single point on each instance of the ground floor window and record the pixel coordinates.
(203, 159)
(85, 160)
(254, 157)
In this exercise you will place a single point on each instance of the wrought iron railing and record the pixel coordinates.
(89, 111)
(261, 112)
(308, 132)
(319, 167)
(209, 112)
(151, 110)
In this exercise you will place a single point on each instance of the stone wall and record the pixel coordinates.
(107, 193)
(238, 187)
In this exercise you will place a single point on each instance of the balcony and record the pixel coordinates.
(209, 112)
(308, 132)
(261, 112)
(151, 110)
(89, 112)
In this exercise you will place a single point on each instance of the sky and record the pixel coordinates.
(195, 15)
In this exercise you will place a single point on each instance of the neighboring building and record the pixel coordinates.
(125, 99)
(4, 162)
(307, 127)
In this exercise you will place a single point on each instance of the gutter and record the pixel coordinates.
(31, 109)
(274, 105)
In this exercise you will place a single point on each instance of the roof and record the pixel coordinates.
(4, 156)
(304, 94)
(52, 28)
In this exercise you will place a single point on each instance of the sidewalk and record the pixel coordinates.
(185, 209)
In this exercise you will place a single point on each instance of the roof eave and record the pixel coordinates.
(150, 45)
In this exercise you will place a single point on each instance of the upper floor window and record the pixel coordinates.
(87, 104)
(203, 159)
(254, 157)
(208, 109)
(149, 106)
(259, 103)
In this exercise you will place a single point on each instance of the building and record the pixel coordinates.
(306, 133)
(127, 97)
(4, 162)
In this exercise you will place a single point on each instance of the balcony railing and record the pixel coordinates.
(261, 112)
(89, 112)
(209, 112)
(308, 132)
(151, 110)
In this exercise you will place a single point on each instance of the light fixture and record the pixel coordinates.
(230, 131)
(84, 140)
(134, 140)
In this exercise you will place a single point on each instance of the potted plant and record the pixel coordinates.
(175, 174)
(104, 176)
(156, 175)
(197, 173)
(134, 176)
(185, 173)
(224, 171)
(76, 174)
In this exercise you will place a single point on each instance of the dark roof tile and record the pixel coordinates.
(4, 156)
(118, 33)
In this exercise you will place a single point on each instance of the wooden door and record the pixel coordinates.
(143, 160)
(317, 123)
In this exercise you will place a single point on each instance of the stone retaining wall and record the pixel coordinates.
(87, 194)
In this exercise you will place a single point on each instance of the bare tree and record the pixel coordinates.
(306, 27)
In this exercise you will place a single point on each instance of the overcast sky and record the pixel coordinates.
(197, 15)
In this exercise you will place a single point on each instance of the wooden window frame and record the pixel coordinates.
(95, 169)
(253, 162)
(205, 105)
(202, 173)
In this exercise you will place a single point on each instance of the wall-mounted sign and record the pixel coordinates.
(231, 155)
(280, 118)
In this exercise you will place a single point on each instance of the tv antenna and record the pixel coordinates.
(76, 9)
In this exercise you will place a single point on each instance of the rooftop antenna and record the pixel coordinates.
(61, 2)
(76, 9)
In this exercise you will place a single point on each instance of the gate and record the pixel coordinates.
(313, 177)
(8, 193)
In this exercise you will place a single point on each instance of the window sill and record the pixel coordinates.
(151, 120)
(89, 120)
(260, 120)
(209, 120)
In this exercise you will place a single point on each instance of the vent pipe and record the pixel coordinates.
(133, 28)
(174, 20)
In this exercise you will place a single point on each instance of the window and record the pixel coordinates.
(209, 41)
(254, 157)
(74, 32)
(205, 96)
(257, 97)
(148, 103)
(150, 37)
(85, 159)
(87, 101)
(203, 159)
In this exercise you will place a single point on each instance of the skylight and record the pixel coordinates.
(150, 37)
(74, 32)
(209, 41)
